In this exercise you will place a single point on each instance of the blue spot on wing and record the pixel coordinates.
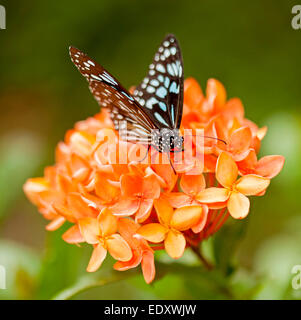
(162, 106)
(159, 118)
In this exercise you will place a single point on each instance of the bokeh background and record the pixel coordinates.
(248, 45)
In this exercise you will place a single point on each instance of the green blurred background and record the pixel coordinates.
(248, 45)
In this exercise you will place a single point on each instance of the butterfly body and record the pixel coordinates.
(167, 140)
(153, 113)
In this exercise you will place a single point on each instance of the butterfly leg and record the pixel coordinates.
(173, 168)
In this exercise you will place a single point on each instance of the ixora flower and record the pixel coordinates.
(132, 209)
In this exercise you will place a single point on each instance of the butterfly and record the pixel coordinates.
(153, 113)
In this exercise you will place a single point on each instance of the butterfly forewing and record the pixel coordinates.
(161, 91)
(109, 93)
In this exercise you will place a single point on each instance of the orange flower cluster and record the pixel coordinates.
(133, 209)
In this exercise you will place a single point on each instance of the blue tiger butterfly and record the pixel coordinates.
(153, 113)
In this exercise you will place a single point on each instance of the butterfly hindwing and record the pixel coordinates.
(109, 93)
(161, 92)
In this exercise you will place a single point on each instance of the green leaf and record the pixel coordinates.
(22, 267)
(62, 264)
(182, 281)
(226, 242)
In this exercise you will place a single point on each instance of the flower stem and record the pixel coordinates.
(204, 261)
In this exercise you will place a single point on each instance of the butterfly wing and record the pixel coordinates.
(161, 91)
(126, 113)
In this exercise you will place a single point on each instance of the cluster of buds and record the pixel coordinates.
(134, 208)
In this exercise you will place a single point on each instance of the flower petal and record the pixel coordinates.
(175, 244)
(192, 184)
(150, 187)
(202, 221)
(104, 189)
(132, 263)
(240, 140)
(226, 170)
(118, 248)
(178, 199)
(164, 211)
(193, 94)
(186, 217)
(73, 235)
(125, 207)
(89, 229)
(98, 255)
(144, 210)
(238, 205)
(148, 266)
(269, 166)
(212, 195)
(55, 223)
(252, 184)
(131, 185)
(107, 222)
(153, 232)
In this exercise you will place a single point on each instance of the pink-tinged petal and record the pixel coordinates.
(269, 166)
(98, 255)
(164, 211)
(178, 199)
(212, 195)
(202, 221)
(226, 170)
(144, 210)
(186, 217)
(192, 184)
(240, 140)
(238, 205)
(107, 222)
(125, 207)
(89, 229)
(118, 248)
(148, 266)
(175, 244)
(73, 235)
(126, 265)
(252, 184)
(55, 224)
(153, 232)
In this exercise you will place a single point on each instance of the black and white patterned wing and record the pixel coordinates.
(161, 91)
(127, 115)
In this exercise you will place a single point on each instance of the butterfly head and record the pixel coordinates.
(167, 140)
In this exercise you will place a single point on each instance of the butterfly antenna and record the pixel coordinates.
(207, 137)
